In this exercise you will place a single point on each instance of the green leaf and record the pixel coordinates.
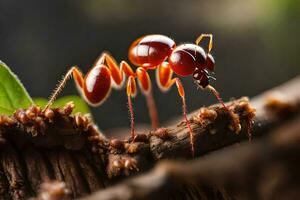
(39, 101)
(80, 105)
(13, 95)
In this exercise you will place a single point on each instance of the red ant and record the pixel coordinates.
(148, 53)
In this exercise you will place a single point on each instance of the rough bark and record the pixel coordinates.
(41, 146)
(265, 169)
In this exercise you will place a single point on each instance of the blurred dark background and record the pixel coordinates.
(256, 45)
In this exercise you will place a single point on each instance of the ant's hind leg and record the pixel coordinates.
(78, 80)
(205, 35)
(118, 76)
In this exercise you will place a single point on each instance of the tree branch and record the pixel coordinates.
(40, 146)
(265, 169)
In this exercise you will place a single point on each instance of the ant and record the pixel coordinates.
(149, 52)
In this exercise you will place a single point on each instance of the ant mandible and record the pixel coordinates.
(148, 53)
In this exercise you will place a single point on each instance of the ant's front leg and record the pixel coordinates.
(165, 82)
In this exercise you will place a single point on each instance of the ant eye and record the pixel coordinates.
(196, 75)
(210, 62)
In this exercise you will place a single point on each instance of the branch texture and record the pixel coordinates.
(39, 147)
(265, 169)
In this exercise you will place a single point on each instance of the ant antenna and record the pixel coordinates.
(205, 35)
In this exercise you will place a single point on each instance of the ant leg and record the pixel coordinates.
(126, 69)
(144, 82)
(235, 123)
(182, 95)
(164, 76)
(146, 88)
(205, 35)
(218, 96)
(145, 85)
(131, 92)
(165, 82)
(152, 110)
(78, 80)
(117, 74)
(101, 59)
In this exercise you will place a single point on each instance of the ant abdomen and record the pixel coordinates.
(97, 85)
(151, 50)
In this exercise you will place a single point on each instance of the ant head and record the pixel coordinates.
(210, 62)
(201, 77)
